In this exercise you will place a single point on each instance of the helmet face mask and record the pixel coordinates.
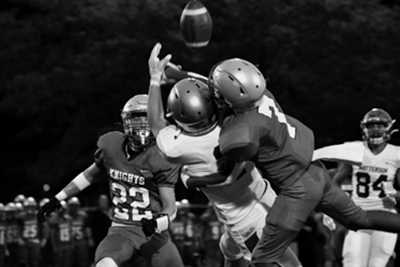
(134, 121)
(377, 126)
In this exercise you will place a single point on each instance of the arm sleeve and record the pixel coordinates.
(166, 174)
(99, 154)
(350, 153)
(240, 143)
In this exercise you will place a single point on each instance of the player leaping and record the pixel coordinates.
(282, 148)
(243, 203)
(141, 187)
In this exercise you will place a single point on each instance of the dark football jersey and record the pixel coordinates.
(134, 182)
(62, 231)
(279, 145)
(13, 231)
(79, 224)
(31, 229)
(3, 231)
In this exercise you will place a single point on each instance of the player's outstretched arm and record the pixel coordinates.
(80, 182)
(155, 110)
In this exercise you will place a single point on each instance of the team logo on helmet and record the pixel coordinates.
(134, 120)
(377, 126)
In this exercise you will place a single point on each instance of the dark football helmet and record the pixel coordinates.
(238, 83)
(134, 120)
(190, 103)
(377, 126)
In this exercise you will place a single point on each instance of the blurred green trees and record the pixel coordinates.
(68, 66)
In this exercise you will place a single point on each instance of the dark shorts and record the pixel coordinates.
(122, 242)
(314, 190)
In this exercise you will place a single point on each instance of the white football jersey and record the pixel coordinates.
(367, 179)
(232, 202)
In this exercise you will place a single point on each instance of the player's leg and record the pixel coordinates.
(338, 205)
(356, 248)
(116, 248)
(288, 215)
(233, 255)
(382, 248)
(159, 251)
(81, 254)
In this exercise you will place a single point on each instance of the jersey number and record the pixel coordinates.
(141, 200)
(266, 109)
(30, 231)
(65, 234)
(363, 180)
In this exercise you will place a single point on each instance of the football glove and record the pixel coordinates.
(157, 224)
(48, 208)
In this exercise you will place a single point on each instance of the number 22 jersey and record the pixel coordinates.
(134, 182)
(367, 179)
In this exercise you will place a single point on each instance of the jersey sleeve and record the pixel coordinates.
(168, 148)
(165, 173)
(238, 140)
(350, 153)
(99, 154)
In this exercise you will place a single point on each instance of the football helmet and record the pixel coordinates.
(376, 126)
(74, 201)
(238, 83)
(43, 202)
(19, 198)
(134, 120)
(190, 103)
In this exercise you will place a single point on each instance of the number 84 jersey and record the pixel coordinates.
(367, 179)
(134, 181)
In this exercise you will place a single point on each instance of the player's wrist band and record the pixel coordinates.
(155, 80)
(61, 195)
(162, 223)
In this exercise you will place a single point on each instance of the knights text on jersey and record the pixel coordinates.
(367, 179)
(195, 153)
(134, 183)
(279, 145)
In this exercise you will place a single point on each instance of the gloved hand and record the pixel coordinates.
(48, 208)
(149, 226)
(157, 66)
(157, 224)
(329, 222)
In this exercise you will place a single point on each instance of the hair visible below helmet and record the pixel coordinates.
(238, 83)
(134, 120)
(190, 103)
(374, 135)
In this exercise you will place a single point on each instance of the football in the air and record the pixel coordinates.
(196, 25)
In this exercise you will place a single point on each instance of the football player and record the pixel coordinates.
(81, 233)
(61, 236)
(3, 227)
(282, 147)
(243, 203)
(372, 190)
(142, 192)
(34, 234)
(12, 235)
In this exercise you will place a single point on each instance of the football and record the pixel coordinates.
(196, 25)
